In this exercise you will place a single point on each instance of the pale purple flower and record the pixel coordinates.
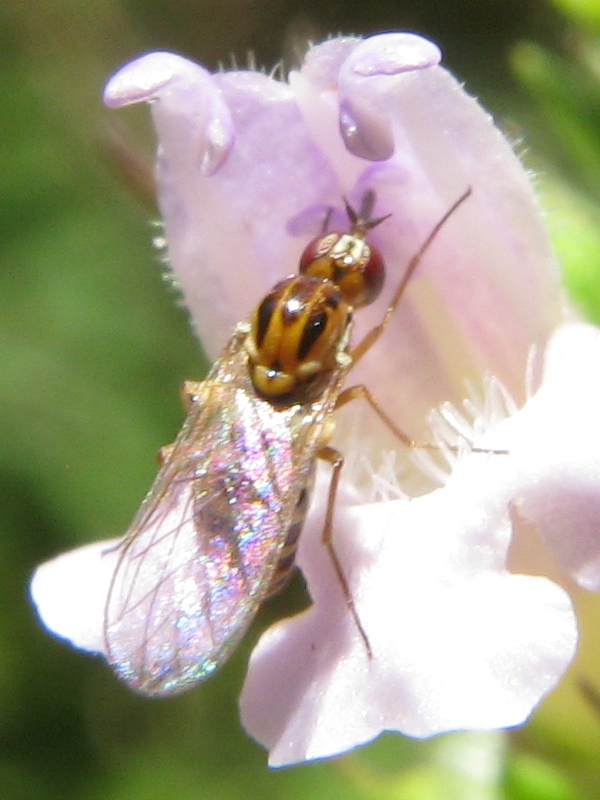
(247, 168)
(458, 641)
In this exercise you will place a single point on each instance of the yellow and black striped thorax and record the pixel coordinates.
(297, 332)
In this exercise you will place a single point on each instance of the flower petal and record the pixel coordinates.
(227, 230)
(70, 591)
(555, 439)
(248, 166)
(458, 642)
(365, 122)
(465, 306)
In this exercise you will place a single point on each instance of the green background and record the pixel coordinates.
(93, 349)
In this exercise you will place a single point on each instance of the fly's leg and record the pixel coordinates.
(373, 335)
(354, 392)
(335, 458)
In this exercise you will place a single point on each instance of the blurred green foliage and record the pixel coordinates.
(94, 348)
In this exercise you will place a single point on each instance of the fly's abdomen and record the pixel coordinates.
(287, 554)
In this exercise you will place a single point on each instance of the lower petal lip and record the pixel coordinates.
(473, 649)
(70, 593)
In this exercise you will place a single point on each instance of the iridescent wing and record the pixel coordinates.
(198, 558)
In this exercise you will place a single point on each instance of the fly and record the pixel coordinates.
(217, 532)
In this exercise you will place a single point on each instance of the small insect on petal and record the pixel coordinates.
(217, 532)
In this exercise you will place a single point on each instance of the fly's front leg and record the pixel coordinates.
(374, 334)
(335, 458)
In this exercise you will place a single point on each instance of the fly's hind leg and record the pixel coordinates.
(336, 460)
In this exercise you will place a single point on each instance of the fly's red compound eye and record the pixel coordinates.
(348, 261)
